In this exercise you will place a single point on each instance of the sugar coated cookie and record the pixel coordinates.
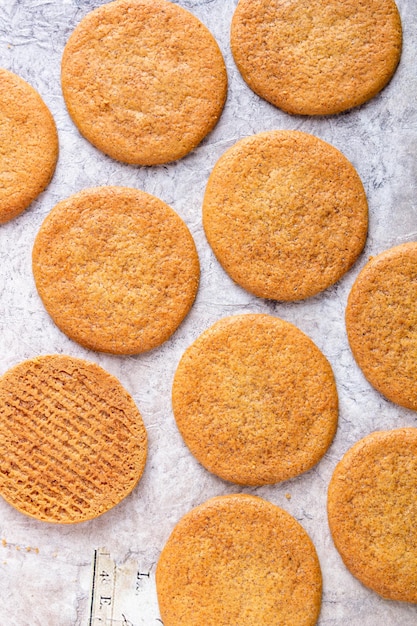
(238, 560)
(381, 323)
(143, 80)
(116, 268)
(72, 441)
(285, 213)
(255, 400)
(28, 145)
(372, 511)
(316, 57)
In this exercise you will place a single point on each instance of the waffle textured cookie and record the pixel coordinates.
(72, 441)
(255, 400)
(381, 323)
(116, 269)
(238, 559)
(143, 80)
(28, 145)
(372, 511)
(285, 214)
(316, 57)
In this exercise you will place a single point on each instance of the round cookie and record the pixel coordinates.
(116, 268)
(255, 400)
(28, 145)
(72, 441)
(316, 57)
(238, 559)
(372, 510)
(143, 80)
(381, 323)
(285, 214)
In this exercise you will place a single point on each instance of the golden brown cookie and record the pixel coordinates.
(28, 145)
(316, 57)
(372, 509)
(143, 80)
(239, 560)
(381, 323)
(72, 441)
(255, 400)
(285, 213)
(116, 268)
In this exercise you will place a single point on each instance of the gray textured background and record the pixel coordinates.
(45, 569)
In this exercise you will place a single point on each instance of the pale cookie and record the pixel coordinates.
(255, 400)
(316, 57)
(372, 509)
(381, 323)
(285, 214)
(239, 560)
(72, 441)
(116, 268)
(143, 80)
(28, 145)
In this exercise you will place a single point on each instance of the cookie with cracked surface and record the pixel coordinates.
(381, 323)
(72, 441)
(116, 268)
(28, 145)
(316, 57)
(285, 214)
(255, 400)
(143, 80)
(239, 559)
(372, 511)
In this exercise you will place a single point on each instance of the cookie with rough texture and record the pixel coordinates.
(255, 400)
(381, 323)
(28, 145)
(239, 559)
(316, 57)
(143, 80)
(285, 214)
(372, 510)
(116, 268)
(72, 441)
